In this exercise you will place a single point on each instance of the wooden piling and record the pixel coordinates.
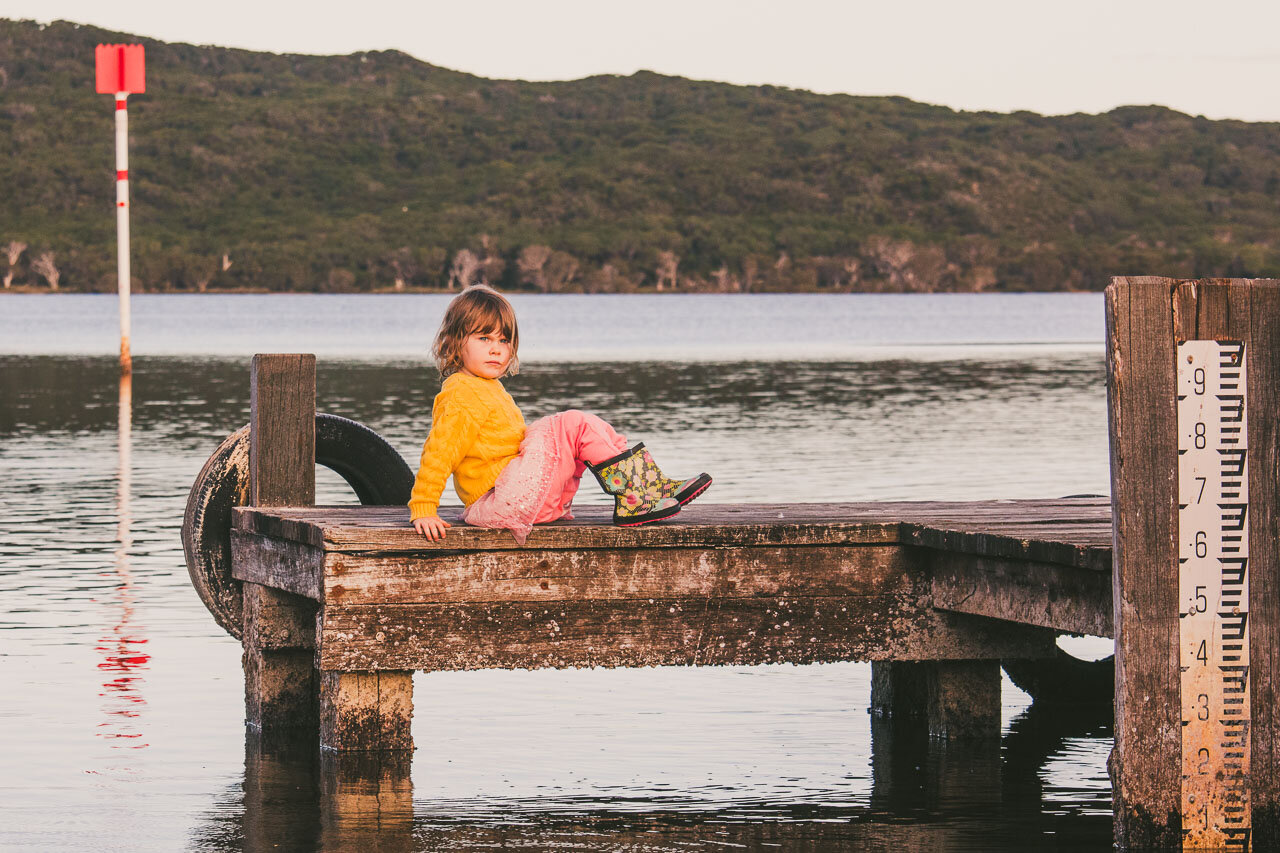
(366, 711)
(280, 628)
(282, 425)
(356, 710)
(1153, 786)
(953, 700)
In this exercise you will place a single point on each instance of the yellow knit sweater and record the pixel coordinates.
(476, 429)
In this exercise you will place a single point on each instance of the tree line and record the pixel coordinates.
(379, 172)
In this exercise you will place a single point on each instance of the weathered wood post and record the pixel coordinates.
(951, 699)
(280, 628)
(357, 711)
(1193, 382)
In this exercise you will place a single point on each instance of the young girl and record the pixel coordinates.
(509, 476)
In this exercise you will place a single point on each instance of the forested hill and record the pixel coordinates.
(377, 171)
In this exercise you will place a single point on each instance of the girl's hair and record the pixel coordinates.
(479, 308)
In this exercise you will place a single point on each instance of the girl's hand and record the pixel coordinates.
(431, 526)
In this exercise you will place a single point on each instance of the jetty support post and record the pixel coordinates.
(952, 699)
(1164, 795)
(355, 711)
(279, 627)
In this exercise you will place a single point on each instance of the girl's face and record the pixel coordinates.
(486, 354)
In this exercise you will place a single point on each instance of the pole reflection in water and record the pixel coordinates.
(122, 647)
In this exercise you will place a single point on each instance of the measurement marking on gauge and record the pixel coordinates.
(1213, 590)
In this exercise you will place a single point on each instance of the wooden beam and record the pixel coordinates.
(1264, 566)
(279, 660)
(1028, 592)
(277, 563)
(1082, 544)
(1146, 773)
(542, 576)
(663, 632)
(282, 429)
(276, 619)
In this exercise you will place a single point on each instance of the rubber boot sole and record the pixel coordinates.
(649, 518)
(671, 511)
(699, 488)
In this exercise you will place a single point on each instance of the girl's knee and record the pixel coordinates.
(578, 419)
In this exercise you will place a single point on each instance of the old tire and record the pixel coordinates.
(1065, 679)
(373, 469)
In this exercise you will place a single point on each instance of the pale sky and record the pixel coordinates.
(1221, 60)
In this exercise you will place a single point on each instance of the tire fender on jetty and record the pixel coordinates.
(372, 467)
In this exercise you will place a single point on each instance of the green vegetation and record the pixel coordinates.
(377, 171)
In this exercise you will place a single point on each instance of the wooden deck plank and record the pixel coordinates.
(1076, 531)
(760, 513)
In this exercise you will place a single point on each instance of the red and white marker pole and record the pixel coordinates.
(121, 71)
(122, 226)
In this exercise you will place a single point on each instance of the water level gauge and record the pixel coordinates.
(1213, 589)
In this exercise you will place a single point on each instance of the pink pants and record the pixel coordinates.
(540, 483)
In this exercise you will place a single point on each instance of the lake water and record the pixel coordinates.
(121, 725)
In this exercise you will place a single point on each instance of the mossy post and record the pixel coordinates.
(1193, 386)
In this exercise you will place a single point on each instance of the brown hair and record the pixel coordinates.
(479, 308)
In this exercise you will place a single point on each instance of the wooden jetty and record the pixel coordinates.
(342, 604)
(741, 584)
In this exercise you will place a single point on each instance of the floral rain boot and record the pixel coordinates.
(641, 493)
